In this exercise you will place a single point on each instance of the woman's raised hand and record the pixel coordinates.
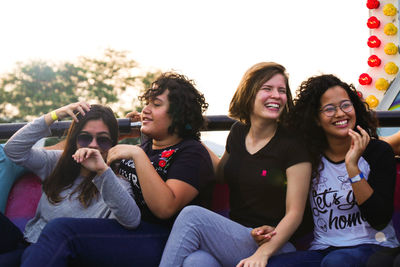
(71, 110)
(359, 142)
(121, 151)
(91, 159)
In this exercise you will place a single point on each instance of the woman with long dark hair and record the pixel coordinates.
(77, 182)
(353, 177)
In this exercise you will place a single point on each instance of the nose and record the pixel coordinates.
(275, 93)
(339, 112)
(93, 144)
(146, 109)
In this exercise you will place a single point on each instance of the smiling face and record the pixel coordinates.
(155, 117)
(271, 99)
(95, 128)
(339, 124)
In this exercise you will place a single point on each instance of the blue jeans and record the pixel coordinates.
(201, 237)
(12, 243)
(96, 242)
(330, 257)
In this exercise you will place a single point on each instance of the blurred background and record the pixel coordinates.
(55, 52)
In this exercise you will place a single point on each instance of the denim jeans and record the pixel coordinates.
(12, 243)
(330, 257)
(96, 242)
(201, 237)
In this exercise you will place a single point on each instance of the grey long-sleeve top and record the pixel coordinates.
(114, 201)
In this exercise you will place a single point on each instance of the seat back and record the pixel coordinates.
(23, 199)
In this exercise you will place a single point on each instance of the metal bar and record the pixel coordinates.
(214, 123)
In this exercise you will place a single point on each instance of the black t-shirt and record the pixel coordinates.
(187, 161)
(257, 182)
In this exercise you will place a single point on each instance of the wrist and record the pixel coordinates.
(136, 152)
(53, 115)
(102, 169)
(352, 170)
(356, 178)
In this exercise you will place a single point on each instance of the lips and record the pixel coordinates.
(341, 123)
(146, 119)
(273, 105)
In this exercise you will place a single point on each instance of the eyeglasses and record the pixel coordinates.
(85, 139)
(330, 110)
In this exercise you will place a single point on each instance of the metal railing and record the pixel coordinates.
(215, 123)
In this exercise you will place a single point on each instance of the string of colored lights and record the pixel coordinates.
(384, 59)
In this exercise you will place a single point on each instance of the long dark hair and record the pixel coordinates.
(304, 116)
(186, 104)
(67, 170)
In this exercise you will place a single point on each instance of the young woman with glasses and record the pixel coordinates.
(77, 182)
(354, 174)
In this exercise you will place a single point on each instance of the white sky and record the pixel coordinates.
(210, 41)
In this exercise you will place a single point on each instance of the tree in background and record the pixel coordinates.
(38, 87)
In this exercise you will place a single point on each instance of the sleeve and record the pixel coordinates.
(378, 209)
(233, 135)
(118, 196)
(296, 152)
(19, 149)
(192, 164)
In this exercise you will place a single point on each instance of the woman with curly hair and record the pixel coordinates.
(353, 177)
(268, 183)
(167, 172)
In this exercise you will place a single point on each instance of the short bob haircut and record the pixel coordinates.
(305, 115)
(242, 103)
(186, 104)
(67, 170)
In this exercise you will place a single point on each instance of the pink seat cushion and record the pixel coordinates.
(23, 199)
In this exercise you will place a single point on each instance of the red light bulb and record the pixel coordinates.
(373, 42)
(374, 61)
(365, 79)
(372, 4)
(373, 22)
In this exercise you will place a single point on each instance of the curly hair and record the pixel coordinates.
(186, 104)
(67, 170)
(304, 116)
(242, 102)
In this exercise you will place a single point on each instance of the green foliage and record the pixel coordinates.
(38, 87)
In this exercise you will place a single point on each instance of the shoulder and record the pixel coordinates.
(291, 148)
(291, 139)
(378, 147)
(239, 127)
(238, 130)
(191, 145)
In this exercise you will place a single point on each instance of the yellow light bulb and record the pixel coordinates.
(391, 49)
(372, 101)
(381, 84)
(389, 10)
(390, 29)
(391, 68)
